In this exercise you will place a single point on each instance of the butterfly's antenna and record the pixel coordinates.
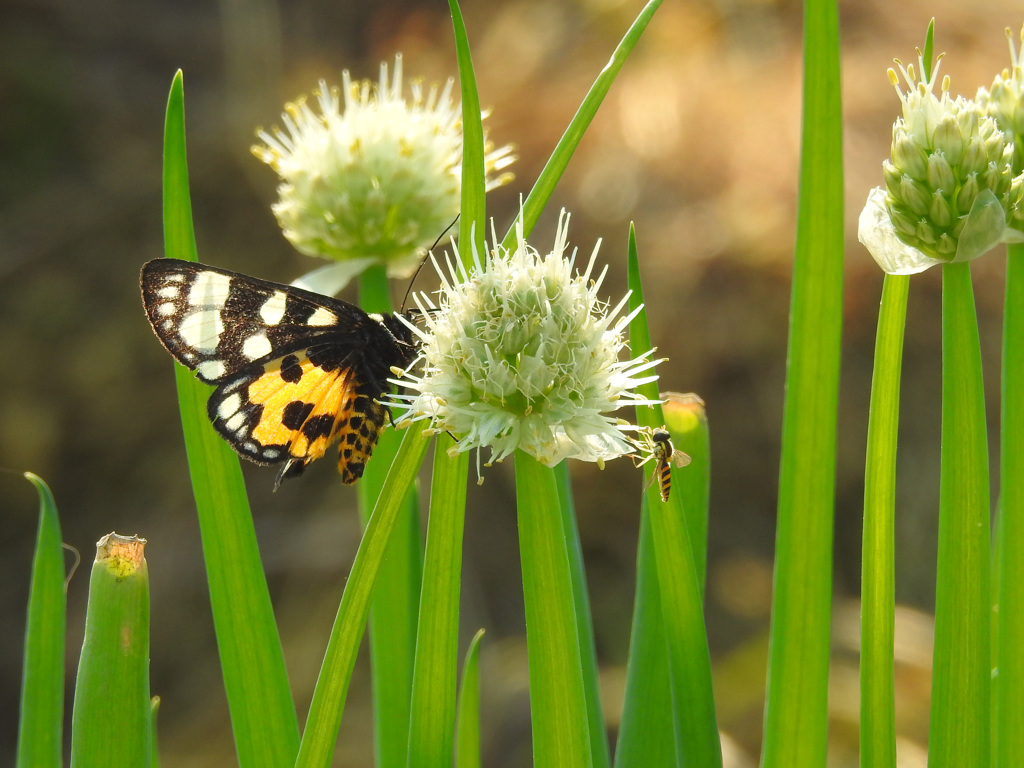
(426, 256)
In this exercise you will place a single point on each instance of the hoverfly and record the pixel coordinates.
(657, 444)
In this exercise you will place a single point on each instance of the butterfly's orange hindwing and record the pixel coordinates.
(294, 371)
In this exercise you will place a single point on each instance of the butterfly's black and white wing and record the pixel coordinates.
(294, 371)
(217, 322)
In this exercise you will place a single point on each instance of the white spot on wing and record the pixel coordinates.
(256, 346)
(271, 453)
(201, 330)
(229, 407)
(209, 289)
(322, 316)
(273, 308)
(211, 369)
(168, 292)
(165, 310)
(236, 424)
(175, 278)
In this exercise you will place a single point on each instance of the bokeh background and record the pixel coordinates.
(697, 143)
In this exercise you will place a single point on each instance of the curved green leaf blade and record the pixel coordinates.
(321, 732)
(472, 210)
(467, 728)
(262, 713)
(681, 618)
(544, 187)
(40, 728)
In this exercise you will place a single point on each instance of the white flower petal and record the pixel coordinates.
(876, 232)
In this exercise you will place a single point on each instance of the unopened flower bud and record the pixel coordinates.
(940, 175)
(947, 155)
(909, 156)
(968, 192)
(948, 138)
(941, 214)
(914, 195)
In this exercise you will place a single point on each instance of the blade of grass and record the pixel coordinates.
(263, 717)
(431, 732)
(958, 732)
(1010, 639)
(558, 706)
(694, 724)
(325, 711)
(467, 729)
(111, 711)
(878, 587)
(796, 712)
(41, 723)
(584, 620)
(393, 608)
(544, 187)
(472, 210)
(646, 732)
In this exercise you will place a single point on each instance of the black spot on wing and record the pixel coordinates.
(318, 426)
(295, 414)
(291, 371)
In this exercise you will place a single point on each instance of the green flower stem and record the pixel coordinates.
(111, 714)
(959, 732)
(558, 704)
(40, 728)
(467, 729)
(393, 608)
(431, 730)
(878, 589)
(796, 711)
(263, 717)
(584, 619)
(1010, 639)
(324, 718)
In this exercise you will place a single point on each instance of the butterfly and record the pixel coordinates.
(293, 371)
(659, 448)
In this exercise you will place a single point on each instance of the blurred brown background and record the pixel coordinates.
(697, 143)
